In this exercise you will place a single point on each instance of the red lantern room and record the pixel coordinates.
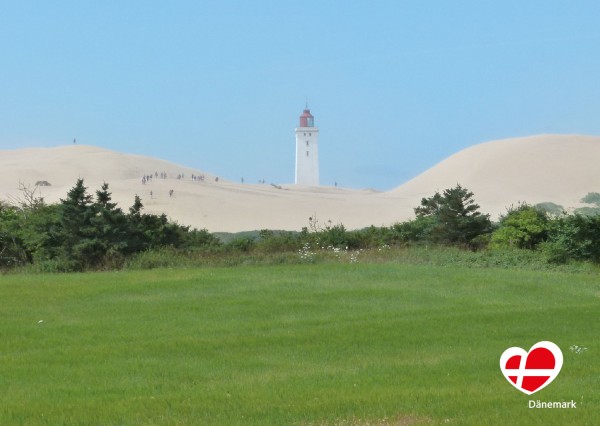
(306, 119)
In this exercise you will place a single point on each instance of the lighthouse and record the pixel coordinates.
(307, 150)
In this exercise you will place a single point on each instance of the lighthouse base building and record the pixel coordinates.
(307, 151)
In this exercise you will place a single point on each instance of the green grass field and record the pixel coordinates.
(345, 344)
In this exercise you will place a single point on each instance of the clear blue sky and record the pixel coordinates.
(395, 86)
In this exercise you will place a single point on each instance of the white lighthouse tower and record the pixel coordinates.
(307, 150)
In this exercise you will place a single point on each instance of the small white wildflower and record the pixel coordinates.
(578, 350)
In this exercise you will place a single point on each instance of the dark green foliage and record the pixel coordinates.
(27, 232)
(82, 232)
(373, 237)
(522, 227)
(78, 242)
(328, 235)
(455, 216)
(416, 230)
(40, 230)
(243, 244)
(11, 244)
(196, 238)
(336, 236)
(587, 236)
(574, 237)
(277, 241)
(90, 232)
(135, 211)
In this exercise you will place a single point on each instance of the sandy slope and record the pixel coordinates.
(217, 206)
(557, 168)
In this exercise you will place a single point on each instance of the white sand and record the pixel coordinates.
(217, 206)
(561, 169)
(557, 168)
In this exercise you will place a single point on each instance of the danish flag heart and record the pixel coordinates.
(532, 371)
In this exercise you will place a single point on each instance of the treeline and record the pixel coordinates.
(85, 232)
(453, 218)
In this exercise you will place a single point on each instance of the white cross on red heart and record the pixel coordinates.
(531, 371)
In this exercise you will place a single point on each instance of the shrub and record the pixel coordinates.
(328, 235)
(522, 227)
(336, 236)
(574, 237)
(199, 238)
(277, 242)
(373, 237)
(456, 217)
(243, 244)
(416, 230)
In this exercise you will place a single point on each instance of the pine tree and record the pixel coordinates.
(80, 246)
(456, 216)
(110, 224)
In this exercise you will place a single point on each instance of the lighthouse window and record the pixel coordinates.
(310, 134)
(306, 143)
(304, 134)
(307, 153)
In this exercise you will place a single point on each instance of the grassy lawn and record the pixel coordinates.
(294, 344)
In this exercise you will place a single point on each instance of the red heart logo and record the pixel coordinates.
(534, 370)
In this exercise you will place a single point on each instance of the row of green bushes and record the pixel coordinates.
(452, 218)
(83, 232)
(561, 237)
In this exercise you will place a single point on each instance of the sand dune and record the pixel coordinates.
(217, 206)
(557, 168)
